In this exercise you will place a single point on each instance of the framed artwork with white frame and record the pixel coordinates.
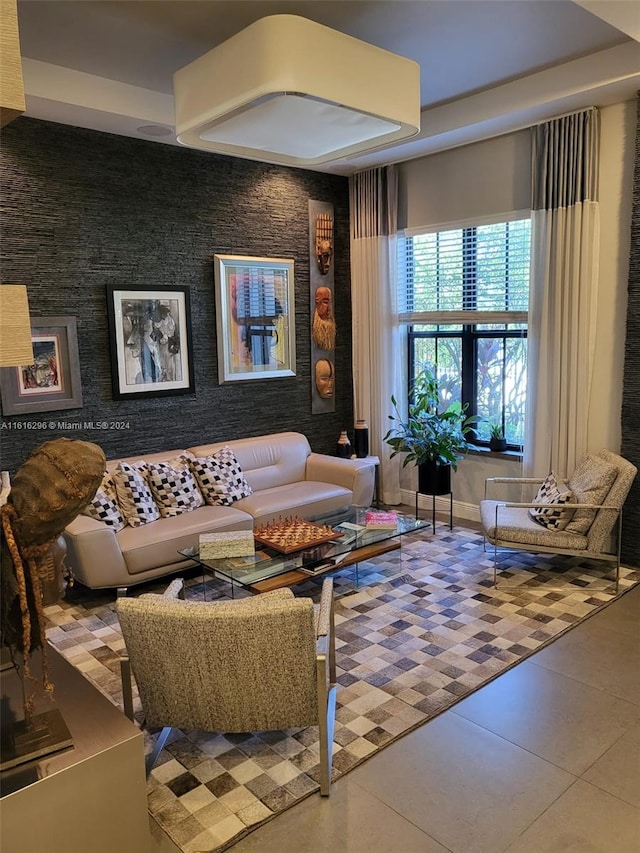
(150, 334)
(255, 317)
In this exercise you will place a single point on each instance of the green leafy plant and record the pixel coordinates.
(429, 435)
(496, 432)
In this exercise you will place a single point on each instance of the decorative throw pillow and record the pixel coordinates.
(591, 483)
(552, 515)
(173, 487)
(134, 495)
(104, 506)
(220, 478)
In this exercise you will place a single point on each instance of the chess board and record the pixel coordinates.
(294, 534)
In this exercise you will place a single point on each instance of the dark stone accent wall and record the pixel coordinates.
(82, 209)
(631, 394)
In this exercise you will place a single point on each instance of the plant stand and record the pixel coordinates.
(433, 509)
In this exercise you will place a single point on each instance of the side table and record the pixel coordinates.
(375, 461)
(433, 508)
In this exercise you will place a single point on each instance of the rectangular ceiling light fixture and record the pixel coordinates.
(287, 90)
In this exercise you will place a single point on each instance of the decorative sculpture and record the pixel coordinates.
(323, 328)
(325, 378)
(324, 241)
(49, 490)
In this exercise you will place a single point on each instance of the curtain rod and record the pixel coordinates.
(563, 115)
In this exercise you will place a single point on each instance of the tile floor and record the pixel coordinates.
(545, 759)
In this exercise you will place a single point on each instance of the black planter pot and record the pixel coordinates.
(434, 478)
(498, 445)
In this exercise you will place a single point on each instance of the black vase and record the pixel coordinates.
(361, 439)
(434, 478)
(343, 449)
(498, 445)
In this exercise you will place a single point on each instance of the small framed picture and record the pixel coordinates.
(255, 317)
(150, 336)
(52, 382)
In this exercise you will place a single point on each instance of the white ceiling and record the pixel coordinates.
(487, 66)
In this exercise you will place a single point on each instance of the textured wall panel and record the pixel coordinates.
(631, 394)
(82, 209)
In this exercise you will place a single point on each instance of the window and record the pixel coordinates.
(464, 293)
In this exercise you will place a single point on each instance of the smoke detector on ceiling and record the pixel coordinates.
(288, 90)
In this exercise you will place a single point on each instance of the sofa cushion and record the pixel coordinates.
(153, 545)
(220, 478)
(173, 487)
(308, 499)
(552, 515)
(134, 495)
(269, 460)
(104, 506)
(590, 483)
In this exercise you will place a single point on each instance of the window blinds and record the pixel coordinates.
(475, 274)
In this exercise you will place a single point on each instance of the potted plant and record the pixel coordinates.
(497, 441)
(433, 440)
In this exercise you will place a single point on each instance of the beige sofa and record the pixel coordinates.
(287, 478)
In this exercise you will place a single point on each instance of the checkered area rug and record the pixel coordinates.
(424, 628)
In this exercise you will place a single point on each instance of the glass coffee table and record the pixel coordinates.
(268, 569)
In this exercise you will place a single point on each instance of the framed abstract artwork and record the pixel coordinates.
(255, 317)
(52, 382)
(150, 336)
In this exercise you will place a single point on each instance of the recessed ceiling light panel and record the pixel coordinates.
(288, 90)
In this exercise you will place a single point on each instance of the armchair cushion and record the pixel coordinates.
(552, 516)
(242, 665)
(516, 526)
(590, 484)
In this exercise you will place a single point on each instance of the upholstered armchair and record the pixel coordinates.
(584, 521)
(243, 665)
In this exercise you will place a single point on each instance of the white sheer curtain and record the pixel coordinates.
(564, 272)
(373, 196)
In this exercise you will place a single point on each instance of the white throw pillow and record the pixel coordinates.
(220, 478)
(134, 495)
(552, 515)
(104, 505)
(173, 487)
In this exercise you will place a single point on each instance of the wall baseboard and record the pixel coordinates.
(460, 508)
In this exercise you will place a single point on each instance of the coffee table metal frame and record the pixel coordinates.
(267, 569)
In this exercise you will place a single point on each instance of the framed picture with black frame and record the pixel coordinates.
(150, 338)
(52, 382)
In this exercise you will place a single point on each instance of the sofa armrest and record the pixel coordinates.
(93, 553)
(357, 475)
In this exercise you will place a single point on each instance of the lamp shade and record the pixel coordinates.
(15, 326)
(288, 90)
(12, 102)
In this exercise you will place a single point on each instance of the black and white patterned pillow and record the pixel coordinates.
(134, 495)
(220, 478)
(173, 487)
(104, 505)
(553, 516)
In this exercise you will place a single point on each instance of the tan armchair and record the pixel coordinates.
(245, 665)
(600, 485)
